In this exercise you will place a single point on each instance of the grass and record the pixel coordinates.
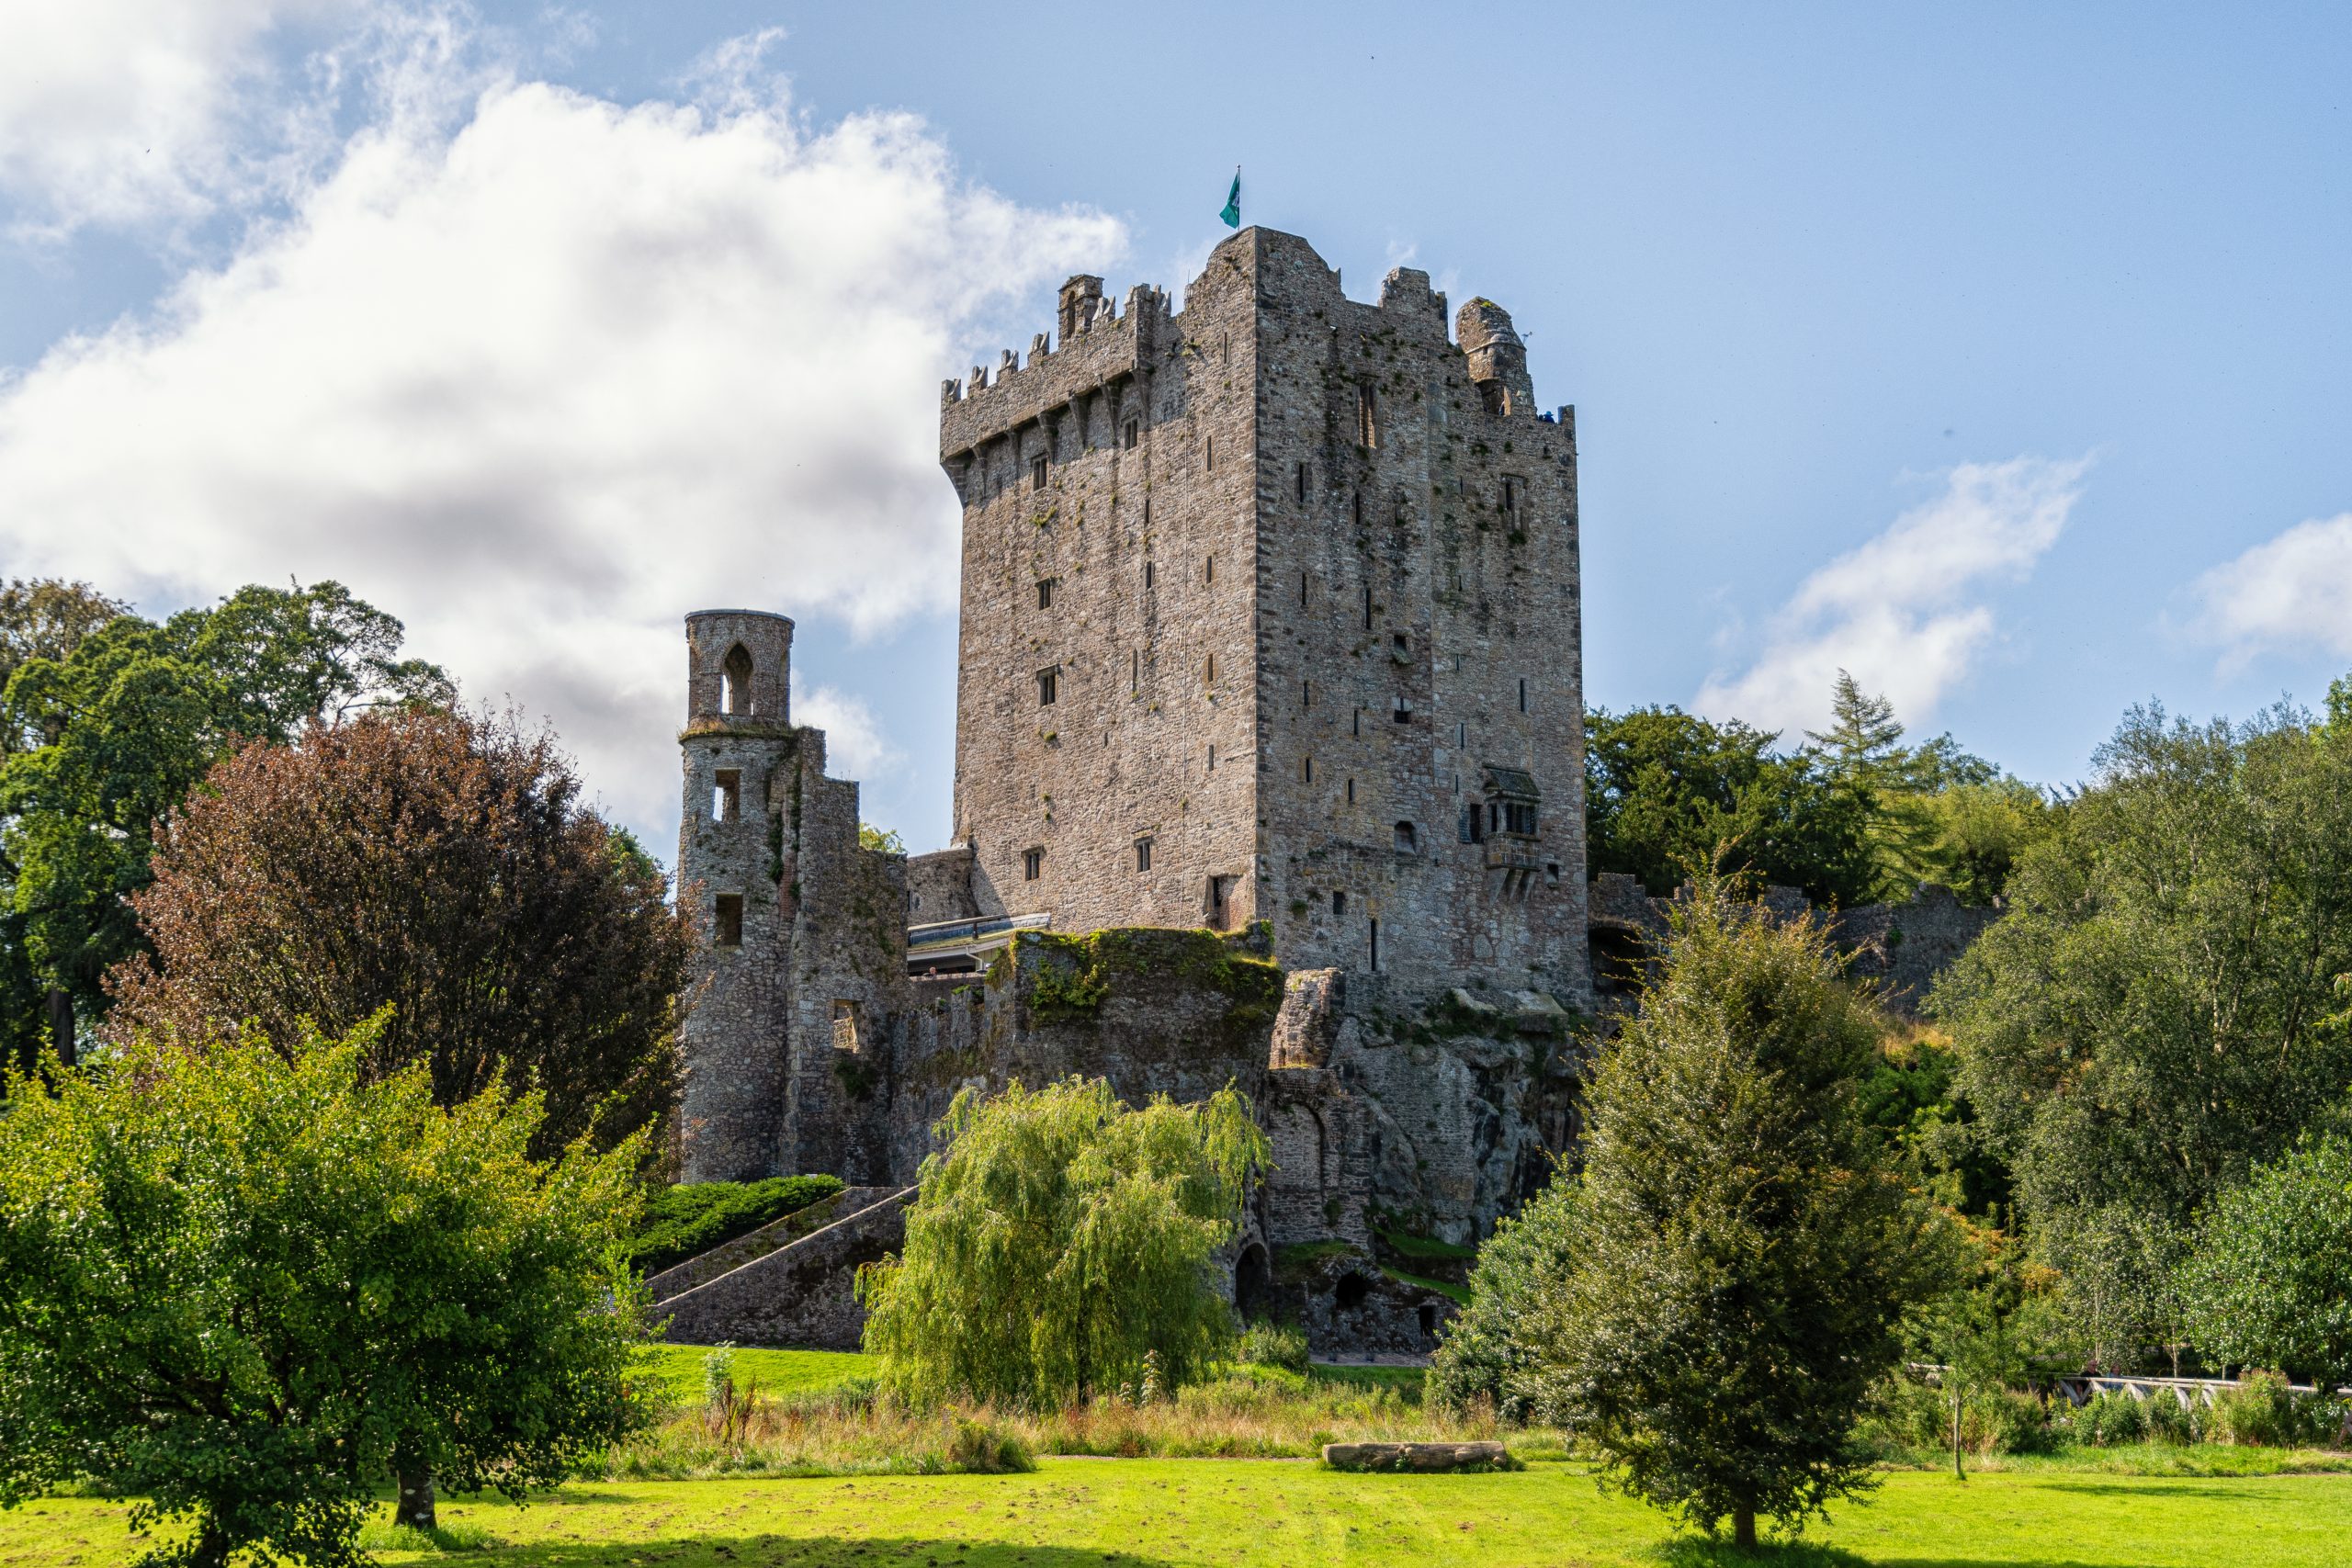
(1141, 1513)
(777, 1373)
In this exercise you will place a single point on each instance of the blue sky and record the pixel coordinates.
(1998, 352)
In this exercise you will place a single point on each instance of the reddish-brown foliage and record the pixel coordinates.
(439, 865)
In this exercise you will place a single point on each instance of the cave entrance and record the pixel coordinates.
(1253, 1282)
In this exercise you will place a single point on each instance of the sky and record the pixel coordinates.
(1998, 354)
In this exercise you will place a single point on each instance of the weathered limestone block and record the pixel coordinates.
(1423, 1459)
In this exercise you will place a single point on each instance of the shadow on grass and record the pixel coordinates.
(800, 1551)
(1698, 1552)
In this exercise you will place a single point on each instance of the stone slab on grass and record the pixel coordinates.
(1420, 1458)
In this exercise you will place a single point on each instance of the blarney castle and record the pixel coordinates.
(1269, 769)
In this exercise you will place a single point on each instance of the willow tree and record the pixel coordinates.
(1742, 1250)
(1060, 1236)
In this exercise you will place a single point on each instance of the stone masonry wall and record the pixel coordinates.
(1262, 525)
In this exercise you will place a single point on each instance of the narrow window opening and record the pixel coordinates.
(1352, 792)
(1367, 606)
(1355, 722)
(1147, 511)
(1221, 901)
(1339, 902)
(1209, 446)
(1033, 864)
(1409, 838)
(1306, 694)
(845, 1026)
(1143, 854)
(1036, 473)
(727, 794)
(1212, 756)
(1134, 669)
(1551, 874)
(1129, 438)
(1403, 645)
(1522, 694)
(1473, 824)
(1306, 770)
(1146, 574)
(1049, 683)
(735, 677)
(1208, 569)
(1375, 942)
(1299, 483)
(1212, 669)
(727, 912)
(1510, 498)
(1368, 416)
(1356, 505)
(1403, 712)
(1302, 589)
(1045, 592)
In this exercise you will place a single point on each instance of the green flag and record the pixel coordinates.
(1232, 213)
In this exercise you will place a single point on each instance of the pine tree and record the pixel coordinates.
(1744, 1250)
(1886, 781)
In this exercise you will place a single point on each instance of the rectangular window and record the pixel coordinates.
(1522, 694)
(1302, 589)
(1209, 446)
(1045, 592)
(1036, 473)
(1306, 770)
(1518, 816)
(1355, 722)
(1368, 416)
(1146, 574)
(1299, 484)
(1461, 736)
(1212, 756)
(1403, 712)
(1339, 902)
(1471, 816)
(1375, 942)
(1033, 864)
(1135, 670)
(1306, 694)
(1049, 685)
(1367, 607)
(1143, 854)
(1208, 569)
(1352, 792)
(1357, 506)
(1211, 670)
(727, 911)
(1129, 438)
(727, 794)
(845, 1026)
(1511, 497)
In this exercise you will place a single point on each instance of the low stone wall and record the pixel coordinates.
(728, 1257)
(800, 1296)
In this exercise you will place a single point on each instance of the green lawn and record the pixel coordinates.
(776, 1372)
(1248, 1513)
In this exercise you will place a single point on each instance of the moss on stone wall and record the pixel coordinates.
(1071, 977)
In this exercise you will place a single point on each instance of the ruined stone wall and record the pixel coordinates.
(938, 886)
(1331, 518)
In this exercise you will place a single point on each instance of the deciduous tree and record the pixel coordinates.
(240, 1284)
(2268, 1277)
(1059, 1237)
(439, 865)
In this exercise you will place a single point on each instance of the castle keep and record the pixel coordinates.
(1269, 612)
(1269, 771)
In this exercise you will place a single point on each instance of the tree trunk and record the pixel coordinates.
(415, 1507)
(1743, 1527)
(61, 1024)
(212, 1547)
(1956, 1467)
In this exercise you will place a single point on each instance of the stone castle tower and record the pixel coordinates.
(1271, 612)
(789, 974)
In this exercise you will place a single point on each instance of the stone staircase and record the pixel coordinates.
(791, 1283)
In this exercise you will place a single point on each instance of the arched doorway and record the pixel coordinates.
(1253, 1284)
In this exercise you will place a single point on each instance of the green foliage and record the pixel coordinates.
(1483, 1355)
(439, 865)
(2267, 1281)
(107, 722)
(884, 839)
(1058, 1236)
(233, 1283)
(2158, 1012)
(1664, 790)
(1268, 1344)
(1742, 1252)
(691, 1218)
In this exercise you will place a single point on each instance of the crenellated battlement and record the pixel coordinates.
(1098, 345)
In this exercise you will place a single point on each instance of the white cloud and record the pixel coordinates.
(127, 110)
(855, 747)
(543, 378)
(1905, 612)
(2291, 594)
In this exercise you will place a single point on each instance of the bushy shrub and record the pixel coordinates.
(2109, 1418)
(1266, 1344)
(690, 1219)
(1909, 1418)
(2260, 1411)
(1480, 1358)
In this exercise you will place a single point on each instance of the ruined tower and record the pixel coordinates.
(1271, 612)
(798, 935)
